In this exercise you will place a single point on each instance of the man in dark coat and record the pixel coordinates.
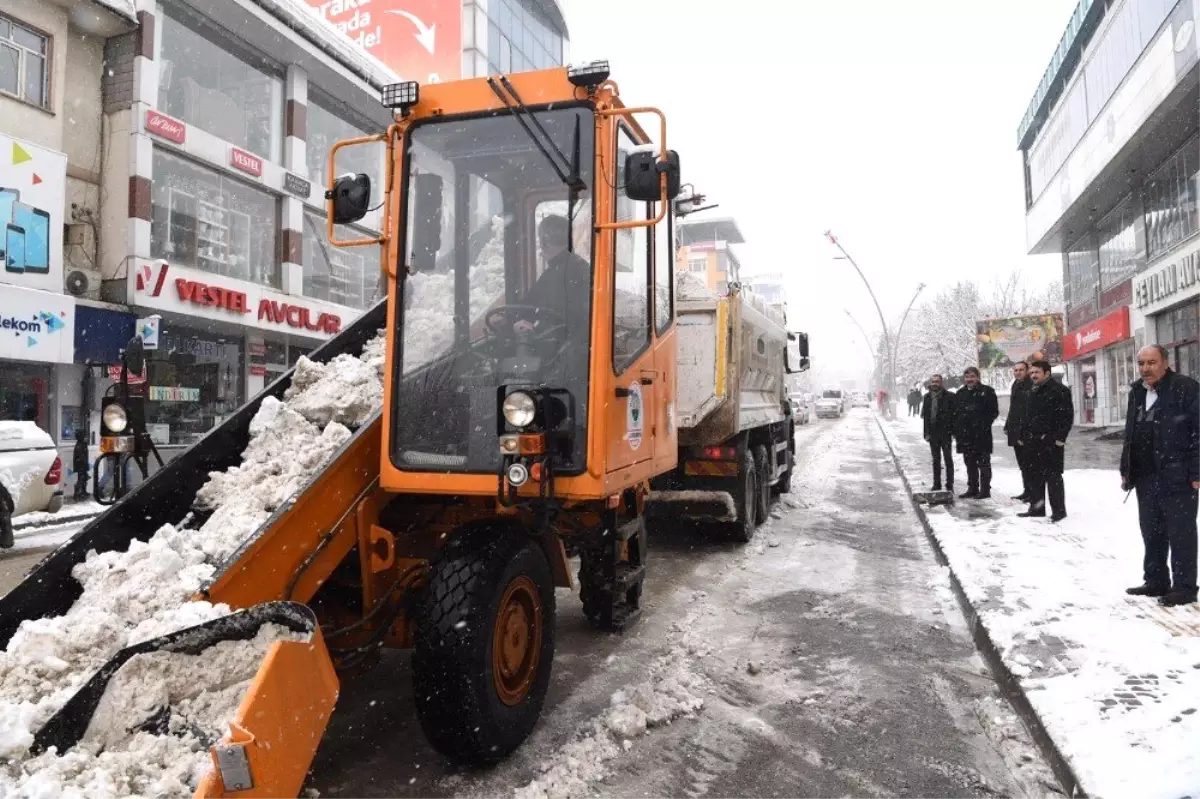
(1161, 460)
(1018, 410)
(914, 401)
(937, 414)
(975, 408)
(1051, 413)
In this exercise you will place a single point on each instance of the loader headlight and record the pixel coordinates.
(115, 418)
(519, 409)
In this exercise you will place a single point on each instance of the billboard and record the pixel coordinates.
(33, 186)
(1003, 342)
(420, 40)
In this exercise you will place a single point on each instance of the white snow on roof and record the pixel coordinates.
(309, 23)
(122, 7)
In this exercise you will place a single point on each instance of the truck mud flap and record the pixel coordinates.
(165, 498)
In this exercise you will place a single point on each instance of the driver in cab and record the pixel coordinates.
(563, 288)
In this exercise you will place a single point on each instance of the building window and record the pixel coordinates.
(199, 377)
(206, 220)
(203, 83)
(1121, 256)
(698, 263)
(521, 37)
(1083, 272)
(344, 275)
(1179, 331)
(1170, 196)
(326, 127)
(23, 57)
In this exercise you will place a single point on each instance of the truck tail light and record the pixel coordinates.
(54, 476)
(719, 453)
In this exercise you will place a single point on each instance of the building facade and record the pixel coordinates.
(704, 250)
(1111, 151)
(180, 162)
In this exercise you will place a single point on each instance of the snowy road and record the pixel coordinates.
(829, 652)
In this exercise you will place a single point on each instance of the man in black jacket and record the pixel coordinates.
(1161, 459)
(1018, 410)
(975, 408)
(914, 401)
(937, 413)
(1051, 415)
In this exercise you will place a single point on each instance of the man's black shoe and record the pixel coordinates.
(1177, 598)
(1033, 514)
(970, 493)
(936, 487)
(1058, 517)
(1145, 589)
(984, 495)
(1022, 498)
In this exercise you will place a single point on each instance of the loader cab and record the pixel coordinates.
(521, 304)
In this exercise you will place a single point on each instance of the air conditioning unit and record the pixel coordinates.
(83, 283)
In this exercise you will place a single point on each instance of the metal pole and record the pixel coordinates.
(900, 330)
(882, 321)
(867, 339)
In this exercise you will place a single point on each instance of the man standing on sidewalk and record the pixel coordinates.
(914, 401)
(1018, 411)
(937, 413)
(1161, 459)
(1051, 414)
(975, 408)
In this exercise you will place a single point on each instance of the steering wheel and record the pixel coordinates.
(509, 315)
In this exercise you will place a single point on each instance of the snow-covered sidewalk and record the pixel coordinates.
(1114, 679)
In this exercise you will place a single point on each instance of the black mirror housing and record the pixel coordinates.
(351, 196)
(642, 171)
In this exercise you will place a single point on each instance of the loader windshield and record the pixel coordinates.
(500, 289)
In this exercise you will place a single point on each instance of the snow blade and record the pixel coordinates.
(165, 498)
(68, 725)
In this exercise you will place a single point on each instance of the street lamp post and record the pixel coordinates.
(887, 337)
(867, 339)
(900, 330)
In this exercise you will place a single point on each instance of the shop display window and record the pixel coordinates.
(195, 380)
(1172, 214)
(345, 275)
(208, 221)
(325, 127)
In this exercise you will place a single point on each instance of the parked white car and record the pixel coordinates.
(799, 410)
(831, 405)
(30, 470)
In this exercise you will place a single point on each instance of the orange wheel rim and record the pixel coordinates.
(517, 641)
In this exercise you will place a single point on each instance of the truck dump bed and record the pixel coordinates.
(731, 365)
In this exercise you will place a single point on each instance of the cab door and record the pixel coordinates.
(631, 408)
(666, 432)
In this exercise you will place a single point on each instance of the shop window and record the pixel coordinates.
(1120, 254)
(327, 126)
(194, 382)
(24, 53)
(25, 394)
(1170, 196)
(206, 220)
(345, 275)
(203, 83)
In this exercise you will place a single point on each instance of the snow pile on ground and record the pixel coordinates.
(429, 302)
(72, 510)
(1115, 679)
(671, 692)
(142, 593)
(691, 286)
(193, 697)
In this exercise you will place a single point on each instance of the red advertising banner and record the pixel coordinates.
(420, 40)
(248, 163)
(1108, 329)
(163, 125)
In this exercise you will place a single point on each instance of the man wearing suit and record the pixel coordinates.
(1018, 410)
(1051, 415)
(937, 414)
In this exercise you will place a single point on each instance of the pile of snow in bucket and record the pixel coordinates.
(142, 593)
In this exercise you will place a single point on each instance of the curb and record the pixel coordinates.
(58, 519)
(1010, 685)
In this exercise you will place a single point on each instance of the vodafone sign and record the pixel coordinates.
(1106, 330)
(173, 288)
(420, 40)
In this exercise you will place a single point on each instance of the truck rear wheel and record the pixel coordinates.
(784, 486)
(745, 498)
(484, 645)
(763, 466)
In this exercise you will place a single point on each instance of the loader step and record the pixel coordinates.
(623, 618)
(627, 577)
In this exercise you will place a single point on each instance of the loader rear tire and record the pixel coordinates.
(484, 645)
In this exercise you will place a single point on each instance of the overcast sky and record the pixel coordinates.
(900, 134)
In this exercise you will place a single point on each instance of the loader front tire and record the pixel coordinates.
(484, 645)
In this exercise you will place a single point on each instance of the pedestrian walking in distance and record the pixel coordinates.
(1050, 416)
(1018, 411)
(975, 408)
(914, 402)
(937, 415)
(1161, 461)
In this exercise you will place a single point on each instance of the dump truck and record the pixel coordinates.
(736, 425)
(526, 405)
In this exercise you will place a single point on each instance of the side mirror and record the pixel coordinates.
(135, 356)
(641, 176)
(426, 235)
(351, 198)
(797, 353)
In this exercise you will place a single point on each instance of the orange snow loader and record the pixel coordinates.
(528, 399)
